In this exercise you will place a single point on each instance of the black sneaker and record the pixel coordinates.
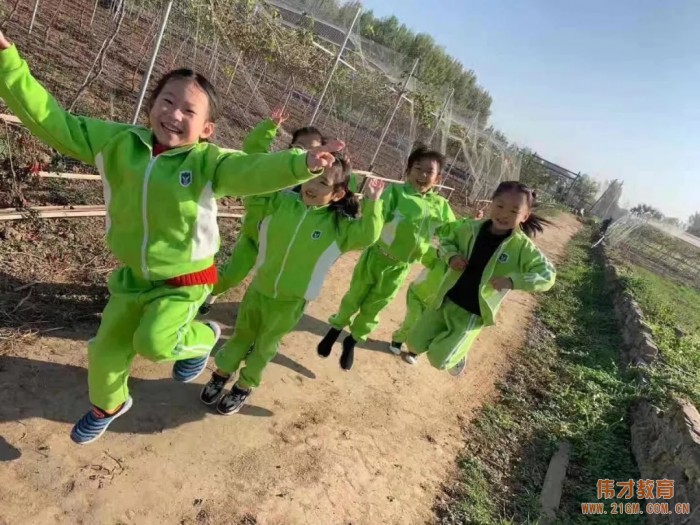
(204, 309)
(395, 347)
(212, 390)
(233, 401)
(410, 358)
(348, 355)
(326, 345)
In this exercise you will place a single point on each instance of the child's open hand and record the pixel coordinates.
(375, 187)
(322, 157)
(501, 283)
(458, 263)
(279, 116)
(4, 42)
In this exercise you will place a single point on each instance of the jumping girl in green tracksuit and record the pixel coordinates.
(245, 251)
(413, 213)
(301, 236)
(486, 258)
(421, 293)
(160, 189)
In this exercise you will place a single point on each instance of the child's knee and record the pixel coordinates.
(149, 345)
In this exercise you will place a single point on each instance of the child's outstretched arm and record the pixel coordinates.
(536, 273)
(263, 135)
(364, 232)
(451, 251)
(449, 222)
(79, 137)
(235, 173)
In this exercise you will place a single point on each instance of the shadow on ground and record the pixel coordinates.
(58, 392)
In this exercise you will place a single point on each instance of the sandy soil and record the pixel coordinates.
(316, 445)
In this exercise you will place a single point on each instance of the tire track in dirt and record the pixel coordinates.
(316, 445)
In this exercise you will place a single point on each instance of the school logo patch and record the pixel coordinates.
(503, 258)
(316, 235)
(185, 178)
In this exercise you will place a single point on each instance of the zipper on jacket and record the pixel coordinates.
(289, 248)
(420, 229)
(144, 216)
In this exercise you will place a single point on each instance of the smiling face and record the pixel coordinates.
(424, 174)
(179, 115)
(508, 211)
(321, 191)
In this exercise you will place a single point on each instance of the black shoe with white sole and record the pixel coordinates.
(233, 401)
(213, 389)
(395, 347)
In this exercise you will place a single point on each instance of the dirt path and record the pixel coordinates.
(316, 445)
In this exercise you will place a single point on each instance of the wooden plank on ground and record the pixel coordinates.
(73, 176)
(62, 212)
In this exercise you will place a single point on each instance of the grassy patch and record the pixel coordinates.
(672, 311)
(565, 385)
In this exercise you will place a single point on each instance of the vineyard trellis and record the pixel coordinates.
(260, 60)
(648, 244)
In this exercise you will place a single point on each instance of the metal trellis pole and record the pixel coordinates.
(393, 113)
(156, 48)
(36, 8)
(335, 66)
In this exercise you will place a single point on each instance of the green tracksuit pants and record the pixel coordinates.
(375, 282)
(261, 324)
(446, 334)
(147, 318)
(242, 260)
(414, 310)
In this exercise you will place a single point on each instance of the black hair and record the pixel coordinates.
(534, 223)
(349, 205)
(307, 130)
(199, 79)
(423, 152)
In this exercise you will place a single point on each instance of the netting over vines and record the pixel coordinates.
(93, 55)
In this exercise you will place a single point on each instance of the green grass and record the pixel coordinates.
(667, 306)
(565, 385)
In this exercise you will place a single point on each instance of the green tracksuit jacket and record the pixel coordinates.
(298, 246)
(411, 221)
(245, 250)
(161, 211)
(446, 331)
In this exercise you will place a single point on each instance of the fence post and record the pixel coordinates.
(335, 66)
(36, 8)
(393, 113)
(156, 48)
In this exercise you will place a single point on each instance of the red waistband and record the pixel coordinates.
(207, 276)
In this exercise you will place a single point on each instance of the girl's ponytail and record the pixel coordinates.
(347, 207)
(534, 225)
